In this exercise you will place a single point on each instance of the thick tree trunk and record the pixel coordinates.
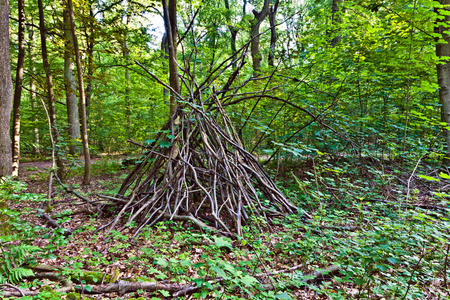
(443, 76)
(51, 100)
(254, 36)
(273, 32)
(6, 91)
(84, 135)
(18, 91)
(70, 86)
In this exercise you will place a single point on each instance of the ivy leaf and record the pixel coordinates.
(148, 142)
(165, 144)
(164, 293)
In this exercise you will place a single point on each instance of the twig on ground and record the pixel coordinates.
(13, 287)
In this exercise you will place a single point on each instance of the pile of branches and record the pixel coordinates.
(197, 169)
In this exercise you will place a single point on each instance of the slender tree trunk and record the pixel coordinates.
(233, 31)
(273, 32)
(126, 55)
(165, 57)
(90, 56)
(18, 91)
(34, 105)
(170, 22)
(84, 135)
(254, 35)
(443, 75)
(335, 21)
(70, 86)
(51, 100)
(6, 91)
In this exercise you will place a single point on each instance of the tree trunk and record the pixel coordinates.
(126, 56)
(443, 75)
(6, 91)
(34, 105)
(170, 22)
(90, 56)
(18, 91)
(51, 100)
(70, 86)
(335, 21)
(254, 36)
(233, 30)
(84, 135)
(165, 56)
(273, 32)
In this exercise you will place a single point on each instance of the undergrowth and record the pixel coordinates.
(375, 220)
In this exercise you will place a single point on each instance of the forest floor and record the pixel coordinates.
(366, 229)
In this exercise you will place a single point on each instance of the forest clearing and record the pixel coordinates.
(224, 149)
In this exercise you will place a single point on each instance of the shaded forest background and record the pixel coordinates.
(361, 79)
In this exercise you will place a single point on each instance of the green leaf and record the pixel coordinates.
(88, 288)
(162, 262)
(149, 142)
(283, 296)
(429, 178)
(165, 144)
(248, 280)
(443, 175)
(382, 267)
(220, 272)
(185, 263)
(222, 242)
(198, 265)
(394, 260)
(164, 293)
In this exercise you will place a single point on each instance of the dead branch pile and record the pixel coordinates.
(197, 169)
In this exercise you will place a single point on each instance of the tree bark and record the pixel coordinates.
(273, 32)
(443, 74)
(90, 55)
(164, 56)
(18, 91)
(335, 21)
(254, 36)
(70, 86)
(126, 56)
(170, 22)
(6, 91)
(84, 135)
(34, 105)
(49, 83)
(233, 30)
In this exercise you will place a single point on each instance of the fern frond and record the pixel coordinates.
(17, 274)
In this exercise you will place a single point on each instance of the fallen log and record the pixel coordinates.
(175, 289)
